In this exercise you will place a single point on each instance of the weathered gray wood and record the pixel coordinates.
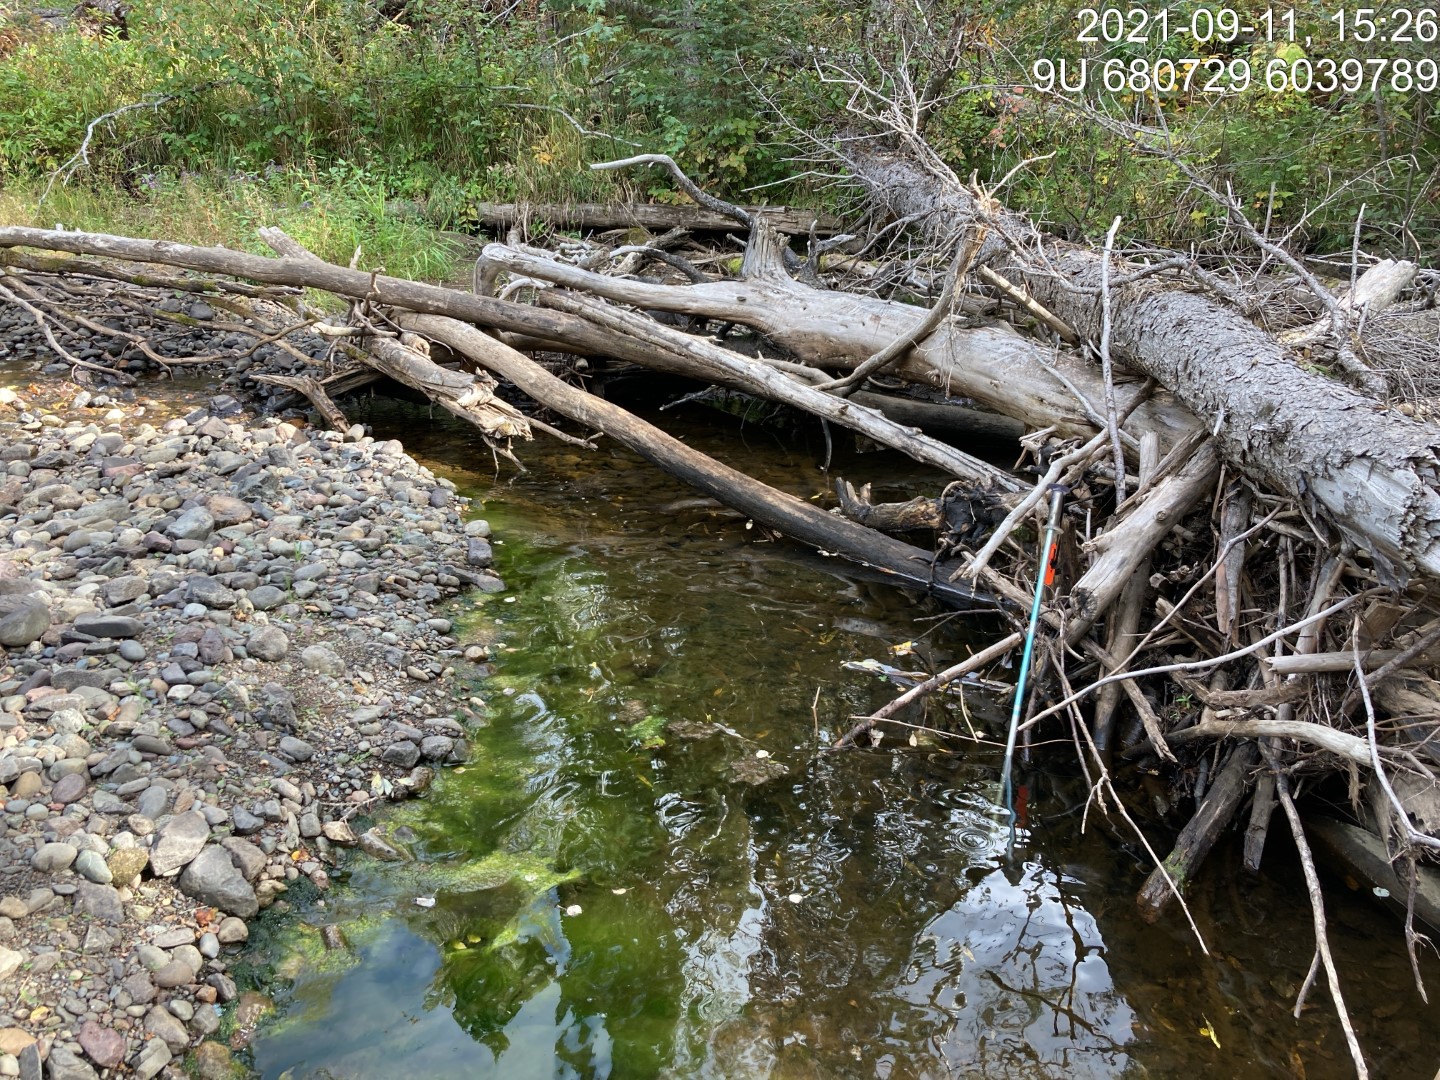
(1342, 743)
(702, 359)
(536, 324)
(1320, 662)
(652, 216)
(471, 397)
(1372, 473)
(993, 365)
(938, 418)
(910, 566)
(1122, 632)
(1129, 539)
(314, 392)
(307, 273)
(1378, 288)
(1233, 521)
(468, 396)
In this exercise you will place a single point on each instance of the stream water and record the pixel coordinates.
(590, 903)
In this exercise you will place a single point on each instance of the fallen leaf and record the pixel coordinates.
(1209, 1032)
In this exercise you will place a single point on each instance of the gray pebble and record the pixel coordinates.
(323, 659)
(296, 749)
(268, 643)
(91, 866)
(266, 597)
(403, 753)
(53, 857)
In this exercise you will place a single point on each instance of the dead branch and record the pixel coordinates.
(314, 392)
(1317, 906)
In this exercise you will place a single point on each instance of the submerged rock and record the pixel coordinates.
(378, 846)
(757, 770)
(214, 1062)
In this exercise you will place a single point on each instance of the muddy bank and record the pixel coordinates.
(222, 643)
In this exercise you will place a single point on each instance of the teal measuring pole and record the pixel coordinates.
(1052, 526)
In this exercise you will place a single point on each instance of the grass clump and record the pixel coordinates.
(333, 213)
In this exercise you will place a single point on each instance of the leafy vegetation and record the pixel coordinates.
(378, 122)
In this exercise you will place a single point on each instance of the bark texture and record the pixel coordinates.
(650, 216)
(1370, 472)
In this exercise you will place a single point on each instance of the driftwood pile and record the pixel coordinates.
(1252, 511)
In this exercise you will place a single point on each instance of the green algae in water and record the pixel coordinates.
(648, 733)
(677, 876)
(855, 917)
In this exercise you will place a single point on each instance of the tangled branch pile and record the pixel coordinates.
(1251, 533)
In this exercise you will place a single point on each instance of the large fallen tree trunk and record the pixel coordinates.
(650, 216)
(993, 365)
(1372, 473)
(533, 322)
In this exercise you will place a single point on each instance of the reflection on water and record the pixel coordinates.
(605, 907)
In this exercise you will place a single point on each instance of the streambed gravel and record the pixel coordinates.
(221, 637)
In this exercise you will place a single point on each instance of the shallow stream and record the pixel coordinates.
(606, 906)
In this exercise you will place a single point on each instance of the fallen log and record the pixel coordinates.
(415, 296)
(910, 566)
(1378, 288)
(312, 274)
(471, 397)
(992, 365)
(468, 396)
(700, 359)
(783, 512)
(919, 513)
(652, 216)
(1373, 474)
(313, 391)
(1199, 835)
(941, 419)
(1360, 853)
